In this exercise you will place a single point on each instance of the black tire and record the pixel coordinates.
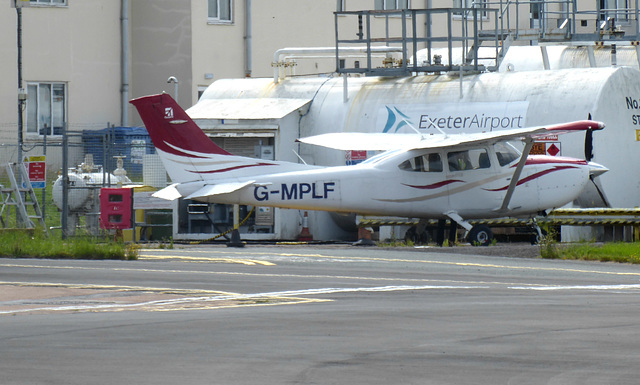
(480, 235)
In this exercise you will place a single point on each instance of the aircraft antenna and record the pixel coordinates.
(299, 157)
(422, 137)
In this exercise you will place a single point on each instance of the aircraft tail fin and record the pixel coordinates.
(187, 152)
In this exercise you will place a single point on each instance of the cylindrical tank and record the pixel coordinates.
(495, 100)
(82, 189)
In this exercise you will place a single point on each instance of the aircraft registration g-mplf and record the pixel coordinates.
(457, 177)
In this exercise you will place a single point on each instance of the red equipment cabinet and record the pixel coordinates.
(116, 208)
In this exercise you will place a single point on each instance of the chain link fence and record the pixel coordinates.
(107, 157)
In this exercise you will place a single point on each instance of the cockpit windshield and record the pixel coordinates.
(381, 156)
(506, 153)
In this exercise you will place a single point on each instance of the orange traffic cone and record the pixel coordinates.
(305, 234)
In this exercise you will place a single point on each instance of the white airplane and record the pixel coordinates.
(456, 177)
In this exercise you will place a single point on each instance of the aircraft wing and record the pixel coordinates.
(383, 142)
(218, 188)
(361, 141)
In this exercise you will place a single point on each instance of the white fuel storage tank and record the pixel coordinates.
(481, 102)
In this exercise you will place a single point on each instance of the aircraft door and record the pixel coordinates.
(471, 174)
(425, 187)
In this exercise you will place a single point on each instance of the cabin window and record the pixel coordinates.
(46, 108)
(422, 163)
(505, 153)
(220, 11)
(468, 160)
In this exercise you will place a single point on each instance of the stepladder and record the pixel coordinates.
(20, 196)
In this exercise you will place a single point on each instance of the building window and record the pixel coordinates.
(49, 2)
(220, 11)
(616, 9)
(391, 4)
(469, 4)
(46, 108)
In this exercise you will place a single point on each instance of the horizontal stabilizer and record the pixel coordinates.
(169, 193)
(217, 189)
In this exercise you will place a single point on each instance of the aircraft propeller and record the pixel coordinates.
(588, 155)
(588, 143)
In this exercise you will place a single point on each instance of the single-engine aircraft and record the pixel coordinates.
(455, 177)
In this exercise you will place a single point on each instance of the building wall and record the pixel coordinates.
(77, 44)
(161, 41)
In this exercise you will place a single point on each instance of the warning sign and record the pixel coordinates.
(37, 170)
(354, 157)
(547, 148)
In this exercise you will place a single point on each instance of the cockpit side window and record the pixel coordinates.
(422, 163)
(473, 159)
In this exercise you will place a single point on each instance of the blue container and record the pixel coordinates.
(131, 142)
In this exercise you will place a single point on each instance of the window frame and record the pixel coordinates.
(458, 16)
(49, 3)
(52, 109)
(468, 160)
(616, 8)
(422, 163)
(381, 5)
(218, 19)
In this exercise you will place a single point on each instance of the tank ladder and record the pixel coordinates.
(20, 197)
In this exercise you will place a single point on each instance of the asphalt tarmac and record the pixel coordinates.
(318, 315)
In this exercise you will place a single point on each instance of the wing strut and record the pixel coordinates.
(516, 174)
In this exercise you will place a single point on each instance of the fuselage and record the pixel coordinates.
(421, 184)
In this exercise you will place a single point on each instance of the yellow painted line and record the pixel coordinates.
(164, 290)
(421, 261)
(243, 261)
(302, 276)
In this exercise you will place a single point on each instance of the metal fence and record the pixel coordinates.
(93, 159)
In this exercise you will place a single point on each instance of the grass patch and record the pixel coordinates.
(621, 252)
(34, 244)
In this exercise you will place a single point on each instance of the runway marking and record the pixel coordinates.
(421, 261)
(577, 287)
(110, 302)
(220, 300)
(303, 276)
(249, 262)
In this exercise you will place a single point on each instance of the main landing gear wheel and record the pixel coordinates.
(480, 235)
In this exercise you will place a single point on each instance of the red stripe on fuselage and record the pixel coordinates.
(534, 176)
(435, 185)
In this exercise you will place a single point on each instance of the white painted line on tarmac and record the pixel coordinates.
(578, 287)
(170, 304)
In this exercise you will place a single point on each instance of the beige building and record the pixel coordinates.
(83, 59)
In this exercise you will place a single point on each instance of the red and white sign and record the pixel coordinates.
(37, 170)
(354, 157)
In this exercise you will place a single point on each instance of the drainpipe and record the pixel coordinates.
(124, 65)
(248, 40)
